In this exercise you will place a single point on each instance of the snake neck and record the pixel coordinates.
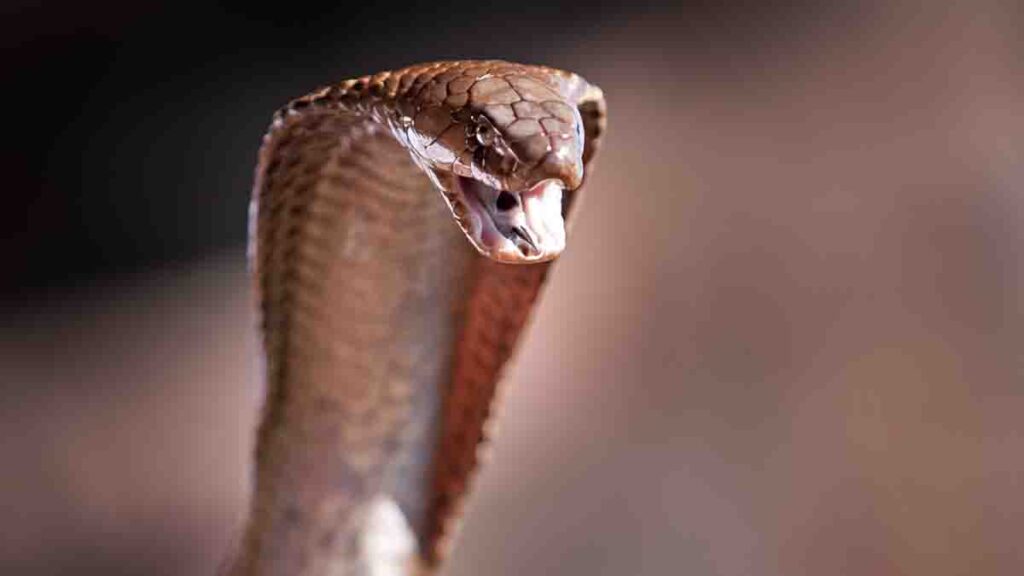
(362, 273)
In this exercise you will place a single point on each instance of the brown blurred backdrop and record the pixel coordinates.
(786, 338)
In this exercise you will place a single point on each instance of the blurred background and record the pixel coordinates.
(786, 338)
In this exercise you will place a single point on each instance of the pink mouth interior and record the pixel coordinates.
(538, 215)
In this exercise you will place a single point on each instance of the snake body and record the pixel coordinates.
(384, 330)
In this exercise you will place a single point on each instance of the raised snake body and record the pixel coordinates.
(385, 332)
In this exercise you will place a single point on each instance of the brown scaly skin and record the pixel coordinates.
(385, 333)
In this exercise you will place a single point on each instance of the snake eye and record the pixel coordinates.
(485, 134)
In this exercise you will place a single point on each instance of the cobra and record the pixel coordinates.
(384, 331)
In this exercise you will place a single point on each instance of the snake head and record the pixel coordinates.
(503, 145)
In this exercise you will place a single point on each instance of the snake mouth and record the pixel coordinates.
(515, 227)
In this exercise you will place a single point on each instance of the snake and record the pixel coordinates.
(401, 228)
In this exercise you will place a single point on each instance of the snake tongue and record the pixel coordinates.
(523, 234)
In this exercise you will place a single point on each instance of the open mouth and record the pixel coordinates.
(524, 226)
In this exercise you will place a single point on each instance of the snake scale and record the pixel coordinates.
(384, 330)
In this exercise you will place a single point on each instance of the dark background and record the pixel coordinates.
(135, 123)
(785, 339)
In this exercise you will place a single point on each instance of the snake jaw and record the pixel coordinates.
(513, 227)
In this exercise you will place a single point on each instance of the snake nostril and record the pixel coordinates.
(506, 201)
